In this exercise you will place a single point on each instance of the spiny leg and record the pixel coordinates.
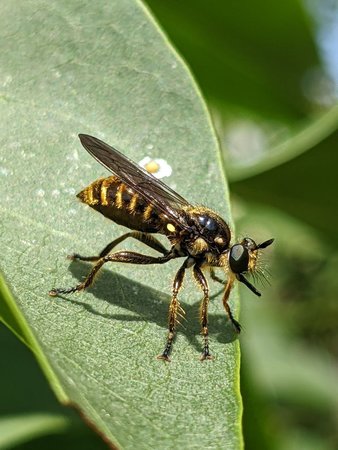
(124, 257)
(174, 310)
(200, 278)
(145, 238)
(226, 295)
(215, 277)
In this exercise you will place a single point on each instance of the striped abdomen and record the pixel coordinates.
(118, 202)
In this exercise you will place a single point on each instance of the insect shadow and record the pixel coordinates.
(150, 305)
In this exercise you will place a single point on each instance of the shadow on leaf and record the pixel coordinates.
(149, 304)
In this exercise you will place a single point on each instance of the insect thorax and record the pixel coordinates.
(209, 232)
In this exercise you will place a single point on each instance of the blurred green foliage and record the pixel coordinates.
(248, 57)
(30, 416)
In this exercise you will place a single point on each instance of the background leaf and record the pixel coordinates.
(14, 430)
(246, 56)
(305, 187)
(270, 86)
(107, 71)
(30, 416)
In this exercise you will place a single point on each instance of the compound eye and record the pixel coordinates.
(239, 258)
(208, 223)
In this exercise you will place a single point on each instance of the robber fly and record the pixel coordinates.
(136, 199)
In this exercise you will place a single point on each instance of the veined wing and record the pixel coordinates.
(146, 185)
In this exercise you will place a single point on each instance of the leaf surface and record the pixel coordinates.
(107, 70)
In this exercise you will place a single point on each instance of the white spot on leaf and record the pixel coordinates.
(40, 193)
(4, 171)
(159, 167)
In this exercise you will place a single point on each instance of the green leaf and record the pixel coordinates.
(107, 71)
(49, 424)
(305, 187)
(308, 137)
(262, 72)
(15, 430)
(248, 57)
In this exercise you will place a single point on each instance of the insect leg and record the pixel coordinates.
(226, 294)
(200, 278)
(215, 277)
(174, 310)
(123, 256)
(146, 238)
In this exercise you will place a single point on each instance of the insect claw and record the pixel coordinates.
(163, 357)
(206, 356)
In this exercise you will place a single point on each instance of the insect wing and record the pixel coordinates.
(146, 185)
